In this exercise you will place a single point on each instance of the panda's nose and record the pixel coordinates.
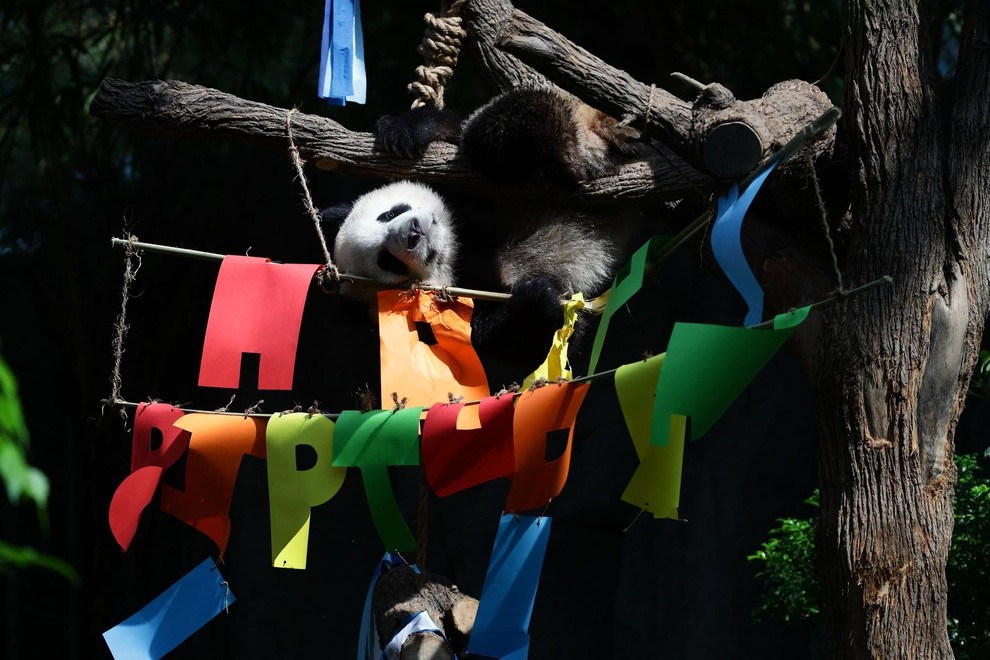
(415, 233)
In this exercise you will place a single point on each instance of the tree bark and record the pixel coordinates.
(892, 367)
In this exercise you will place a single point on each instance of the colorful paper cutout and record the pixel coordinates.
(506, 605)
(538, 412)
(342, 69)
(136, 491)
(257, 308)
(293, 492)
(216, 447)
(706, 368)
(556, 365)
(727, 244)
(656, 484)
(627, 282)
(426, 374)
(455, 459)
(636, 389)
(173, 616)
(371, 442)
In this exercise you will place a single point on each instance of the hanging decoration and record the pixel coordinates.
(727, 244)
(426, 352)
(257, 308)
(502, 623)
(135, 493)
(294, 490)
(556, 366)
(216, 447)
(172, 617)
(343, 75)
(372, 442)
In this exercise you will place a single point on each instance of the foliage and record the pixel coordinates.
(22, 481)
(791, 591)
(967, 571)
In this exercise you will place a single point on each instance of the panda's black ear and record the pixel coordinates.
(332, 216)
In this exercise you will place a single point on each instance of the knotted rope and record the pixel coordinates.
(440, 48)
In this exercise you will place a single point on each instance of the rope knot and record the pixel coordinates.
(440, 48)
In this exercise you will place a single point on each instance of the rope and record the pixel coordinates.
(329, 275)
(130, 273)
(823, 215)
(440, 48)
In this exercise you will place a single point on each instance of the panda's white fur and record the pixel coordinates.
(404, 232)
(400, 233)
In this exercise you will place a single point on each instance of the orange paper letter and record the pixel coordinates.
(216, 447)
(538, 412)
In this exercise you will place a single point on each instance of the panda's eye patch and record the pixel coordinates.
(391, 264)
(393, 212)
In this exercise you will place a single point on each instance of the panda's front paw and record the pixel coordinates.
(539, 298)
(408, 135)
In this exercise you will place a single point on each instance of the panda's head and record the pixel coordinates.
(400, 233)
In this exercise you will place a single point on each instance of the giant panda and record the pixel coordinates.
(404, 232)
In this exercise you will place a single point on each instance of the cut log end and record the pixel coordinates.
(732, 149)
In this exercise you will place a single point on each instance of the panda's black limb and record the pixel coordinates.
(519, 331)
(408, 135)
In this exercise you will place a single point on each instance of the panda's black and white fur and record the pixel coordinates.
(406, 232)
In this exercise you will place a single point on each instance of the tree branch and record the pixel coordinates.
(181, 108)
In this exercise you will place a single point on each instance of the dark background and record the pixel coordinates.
(68, 183)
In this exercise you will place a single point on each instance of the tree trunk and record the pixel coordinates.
(893, 366)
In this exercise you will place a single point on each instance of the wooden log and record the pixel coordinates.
(181, 108)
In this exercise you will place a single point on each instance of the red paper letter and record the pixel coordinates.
(257, 308)
(147, 465)
(455, 459)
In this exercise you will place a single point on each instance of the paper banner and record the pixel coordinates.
(502, 623)
(294, 490)
(636, 389)
(425, 373)
(656, 484)
(172, 617)
(538, 412)
(556, 365)
(455, 459)
(216, 447)
(727, 244)
(708, 366)
(371, 442)
(152, 426)
(257, 308)
(627, 282)
(342, 70)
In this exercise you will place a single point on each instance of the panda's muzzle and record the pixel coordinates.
(415, 232)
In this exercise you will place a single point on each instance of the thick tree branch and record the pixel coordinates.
(180, 108)
(720, 135)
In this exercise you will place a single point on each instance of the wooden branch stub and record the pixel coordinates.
(401, 592)
(733, 137)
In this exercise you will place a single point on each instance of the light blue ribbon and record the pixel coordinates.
(727, 244)
(343, 75)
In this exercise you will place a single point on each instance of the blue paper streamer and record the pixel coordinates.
(727, 244)
(342, 70)
(368, 635)
(172, 617)
(502, 623)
